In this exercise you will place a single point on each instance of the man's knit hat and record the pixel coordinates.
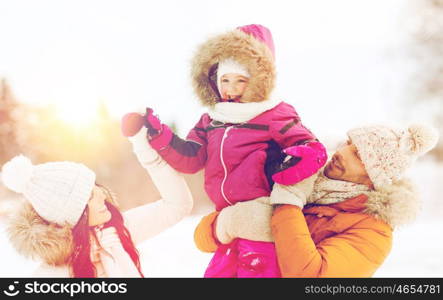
(387, 152)
(58, 191)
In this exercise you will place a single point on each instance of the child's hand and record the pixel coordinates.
(152, 123)
(302, 161)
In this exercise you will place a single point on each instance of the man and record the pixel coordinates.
(352, 207)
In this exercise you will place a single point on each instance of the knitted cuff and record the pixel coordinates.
(281, 195)
(222, 226)
(140, 146)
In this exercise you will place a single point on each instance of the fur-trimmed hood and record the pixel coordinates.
(35, 238)
(396, 204)
(243, 48)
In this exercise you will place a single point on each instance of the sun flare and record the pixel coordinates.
(78, 114)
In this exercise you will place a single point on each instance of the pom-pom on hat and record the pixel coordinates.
(388, 152)
(58, 191)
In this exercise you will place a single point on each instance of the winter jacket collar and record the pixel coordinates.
(34, 238)
(353, 205)
(396, 204)
(232, 112)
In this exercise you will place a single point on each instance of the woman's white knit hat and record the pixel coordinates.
(388, 152)
(58, 191)
(228, 66)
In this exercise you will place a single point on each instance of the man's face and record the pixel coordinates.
(346, 165)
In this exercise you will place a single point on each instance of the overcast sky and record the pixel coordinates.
(336, 60)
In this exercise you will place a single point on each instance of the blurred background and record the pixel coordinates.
(69, 70)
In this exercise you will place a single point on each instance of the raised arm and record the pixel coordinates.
(176, 201)
(184, 155)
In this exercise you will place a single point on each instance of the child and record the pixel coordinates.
(73, 225)
(242, 140)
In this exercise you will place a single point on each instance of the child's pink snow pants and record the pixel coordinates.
(244, 259)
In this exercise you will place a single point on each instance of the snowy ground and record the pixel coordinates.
(416, 253)
(170, 254)
(417, 249)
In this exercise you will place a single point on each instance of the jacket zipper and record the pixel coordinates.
(223, 164)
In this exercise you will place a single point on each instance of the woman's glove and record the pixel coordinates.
(302, 161)
(159, 135)
(247, 220)
(133, 122)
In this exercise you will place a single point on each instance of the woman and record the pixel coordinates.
(74, 225)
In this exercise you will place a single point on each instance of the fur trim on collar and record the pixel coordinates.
(232, 112)
(35, 238)
(246, 50)
(396, 204)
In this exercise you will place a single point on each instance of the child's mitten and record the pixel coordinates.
(302, 161)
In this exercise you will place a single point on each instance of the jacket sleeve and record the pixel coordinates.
(356, 252)
(286, 128)
(203, 235)
(186, 156)
(143, 222)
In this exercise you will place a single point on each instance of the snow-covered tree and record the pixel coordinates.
(426, 83)
(9, 110)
